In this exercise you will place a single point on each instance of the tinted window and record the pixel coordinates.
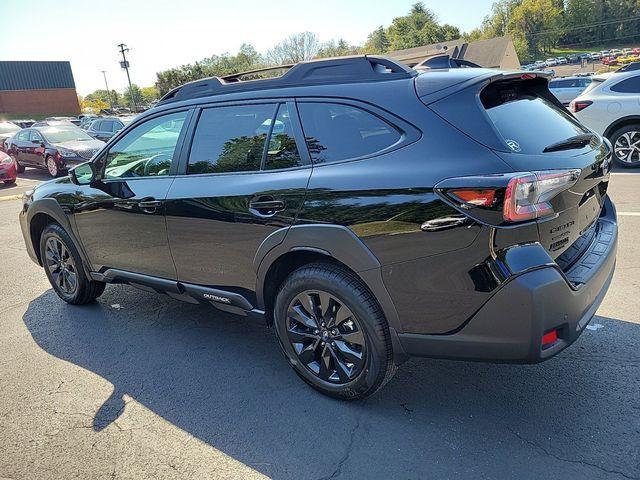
(283, 152)
(338, 132)
(230, 139)
(630, 85)
(36, 136)
(528, 123)
(559, 84)
(95, 126)
(23, 136)
(147, 150)
(106, 126)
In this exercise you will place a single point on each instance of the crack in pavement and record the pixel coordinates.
(345, 457)
(569, 460)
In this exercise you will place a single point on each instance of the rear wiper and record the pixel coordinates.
(578, 141)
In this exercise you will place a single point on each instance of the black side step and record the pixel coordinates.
(228, 301)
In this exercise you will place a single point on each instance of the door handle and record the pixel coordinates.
(150, 205)
(266, 207)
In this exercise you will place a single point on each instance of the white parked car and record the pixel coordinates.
(611, 106)
(567, 88)
(551, 62)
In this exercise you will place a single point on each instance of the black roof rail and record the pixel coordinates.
(360, 68)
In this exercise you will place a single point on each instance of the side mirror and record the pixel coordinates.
(83, 174)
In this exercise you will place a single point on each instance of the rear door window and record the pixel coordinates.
(630, 85)
(526, 121)
(335, 131)
(230, 139)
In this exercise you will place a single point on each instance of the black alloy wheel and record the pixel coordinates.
(64, 268)
(61, 266)
(333, 332)
(326, 336)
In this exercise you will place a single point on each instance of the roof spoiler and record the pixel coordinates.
(444, 62)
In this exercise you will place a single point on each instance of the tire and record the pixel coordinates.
(620, 141)
(52, 167)
(84, 289)
(324, 336)
(19, 168)
(9, 182)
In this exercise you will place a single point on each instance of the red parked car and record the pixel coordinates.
(8, 171)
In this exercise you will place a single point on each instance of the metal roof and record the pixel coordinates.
(27, 75)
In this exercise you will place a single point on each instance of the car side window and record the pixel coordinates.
(95, 125)
(336, 132)
(147, 150)
(630, 85)
(23, 136)
(283, 151)
(230, 139)
(35, 136)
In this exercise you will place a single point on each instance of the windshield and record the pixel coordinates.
(7, 127)
(64, 134)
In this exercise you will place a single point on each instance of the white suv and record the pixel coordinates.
(611, 106)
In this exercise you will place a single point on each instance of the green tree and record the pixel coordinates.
(419, 27)
(377, 41)
(338, 48)
(133, 95)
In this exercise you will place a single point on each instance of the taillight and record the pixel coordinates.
(477, 197)
(5, 160)
(508, 198)
(578, 105)
(527, 196)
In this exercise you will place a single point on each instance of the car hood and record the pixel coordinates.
(81, 145)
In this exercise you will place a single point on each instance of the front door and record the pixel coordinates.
(36, 149)
(121, 219)
(245, 177)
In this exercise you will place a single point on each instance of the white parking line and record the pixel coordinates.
(629, 214)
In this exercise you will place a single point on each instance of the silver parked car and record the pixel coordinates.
(567, 88)
(611, 107)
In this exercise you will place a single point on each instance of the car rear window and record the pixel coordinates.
(526, 121)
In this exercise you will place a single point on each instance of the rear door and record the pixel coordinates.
(22, 147)
(245, 177)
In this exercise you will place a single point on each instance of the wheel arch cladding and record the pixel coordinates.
(304, 244)
(620, 123)
(44, 212)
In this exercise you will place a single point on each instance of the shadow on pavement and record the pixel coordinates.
(225, 382)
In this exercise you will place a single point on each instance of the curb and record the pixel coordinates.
(10, 197)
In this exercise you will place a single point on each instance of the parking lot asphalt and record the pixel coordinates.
(142, 386)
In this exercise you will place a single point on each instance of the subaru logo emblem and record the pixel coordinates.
(513, 145)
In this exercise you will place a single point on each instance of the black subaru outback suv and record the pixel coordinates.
(366, 211)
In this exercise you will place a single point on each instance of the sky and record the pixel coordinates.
(163, 34)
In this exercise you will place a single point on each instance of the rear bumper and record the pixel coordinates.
(510, 326)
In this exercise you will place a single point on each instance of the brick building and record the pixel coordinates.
(37, 88)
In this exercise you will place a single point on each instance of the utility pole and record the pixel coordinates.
(125, 64)
(104, 74)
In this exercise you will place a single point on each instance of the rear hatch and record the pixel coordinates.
(517, 117)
